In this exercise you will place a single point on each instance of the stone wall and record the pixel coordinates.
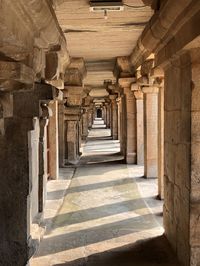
(195, 164)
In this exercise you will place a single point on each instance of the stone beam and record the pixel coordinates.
(163, 27)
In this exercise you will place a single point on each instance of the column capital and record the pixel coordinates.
(126, 82)
(73, 95)
(72, 113)
(138, 95)
(113, 97)
(150, 89)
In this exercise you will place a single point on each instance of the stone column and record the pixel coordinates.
(108, 114)
(53, 141)
(17, 120)
(161, 142)
(150, 132)
(61, 133)
(43, 157)
(119, 108)
(140, 127)
(131, 142)
(123, 122)
(85, 123)
(72, 123)
(90, 117)
(114, 113)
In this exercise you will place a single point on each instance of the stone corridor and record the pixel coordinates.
(99, 132)
(105, 219)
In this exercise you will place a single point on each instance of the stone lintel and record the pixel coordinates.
(14, 75)
(138, 95)
(150, 89)
(126, 82)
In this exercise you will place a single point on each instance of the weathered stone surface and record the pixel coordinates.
(14, 75)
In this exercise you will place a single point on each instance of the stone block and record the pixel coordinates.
(182, 165)
(172, 89)
(195, 224)
(170, 159)
(172, 126)
(169, 196)
(170, 228)
(195, 170)
(195, 256)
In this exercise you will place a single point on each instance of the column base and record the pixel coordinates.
(131, 158)
(72, 162)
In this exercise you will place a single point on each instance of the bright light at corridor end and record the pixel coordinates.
(105, 7)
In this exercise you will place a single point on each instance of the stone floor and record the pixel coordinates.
(109, 217)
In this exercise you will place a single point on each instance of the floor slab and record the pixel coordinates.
(106, 219)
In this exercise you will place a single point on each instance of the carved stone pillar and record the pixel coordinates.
(90, 117)
(43, 156)
(119, 109)
(131, 143)
(85, 123)
(61, 135)
(53, 141)
(108, 115)
(72, 134)
(16, 124)
(114, 113)
(123, 123)
(150, 131)
(73, 123)
(140, 127)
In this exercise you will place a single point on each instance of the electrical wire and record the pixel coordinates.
(135, 7)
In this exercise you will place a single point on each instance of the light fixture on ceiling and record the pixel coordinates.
(104, 6)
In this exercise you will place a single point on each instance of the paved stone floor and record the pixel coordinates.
(109, 216)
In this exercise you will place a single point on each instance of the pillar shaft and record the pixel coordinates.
(61, 135)
(161, 143)
(140, 127)
(150, 132)
(131, 142)
(84, 125)
(114, 121)
(53, 141)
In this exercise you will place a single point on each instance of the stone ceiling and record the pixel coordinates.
(97, 40)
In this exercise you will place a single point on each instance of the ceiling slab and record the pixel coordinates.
(97, 40)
